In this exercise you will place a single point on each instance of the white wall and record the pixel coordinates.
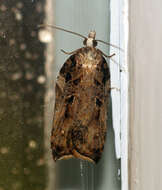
(145, 64)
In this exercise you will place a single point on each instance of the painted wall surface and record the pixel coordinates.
(145, 64)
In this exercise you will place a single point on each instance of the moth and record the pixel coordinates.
(82, 93)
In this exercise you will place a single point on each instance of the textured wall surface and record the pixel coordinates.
(145, 94)
(21, 96)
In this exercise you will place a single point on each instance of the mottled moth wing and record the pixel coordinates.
(80, 115)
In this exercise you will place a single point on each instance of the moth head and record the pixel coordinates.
(92, 35)
(90, 41)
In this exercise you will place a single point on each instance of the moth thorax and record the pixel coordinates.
(90, 41)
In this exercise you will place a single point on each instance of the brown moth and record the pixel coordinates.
(81, 104)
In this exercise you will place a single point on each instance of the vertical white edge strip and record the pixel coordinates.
(115, 73)
(119, 37)
(124, 92)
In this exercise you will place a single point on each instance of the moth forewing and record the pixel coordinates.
(80, 115)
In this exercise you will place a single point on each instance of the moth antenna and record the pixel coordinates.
(77, 34)
(69, 53)
(110, 45)
(52, 26)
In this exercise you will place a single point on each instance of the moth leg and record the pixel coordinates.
(122, 69)
(115, 88)
(59, 88)
(69, 53)
(108, 56)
